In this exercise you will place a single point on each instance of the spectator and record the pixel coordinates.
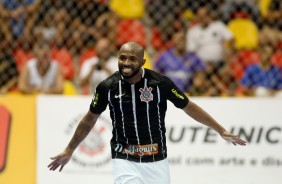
(207, 39)
(264, 78)
(166, 17)
(99, 67)
(178, 64)
(215, 6)
(106, 26)
(194, 5)
(8, 67)
(241, 60)
(4, 21)
(227, 83)
(41, 74)
(272, 25)
(83, 15)
(274, 15)
(200, 85)
(207, 83)
(19, 13)
(51, 21)
(277, 56)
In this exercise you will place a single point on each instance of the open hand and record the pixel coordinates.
(233, 139)
(59, 160)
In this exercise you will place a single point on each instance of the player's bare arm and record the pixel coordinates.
(84, 127)
(82, 130)
(200, 115)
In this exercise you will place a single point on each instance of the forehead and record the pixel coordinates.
(128, 51)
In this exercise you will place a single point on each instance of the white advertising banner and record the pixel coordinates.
(196, 154)
(199, 156)
(57, 119)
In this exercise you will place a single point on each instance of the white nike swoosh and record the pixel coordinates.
(117, 96)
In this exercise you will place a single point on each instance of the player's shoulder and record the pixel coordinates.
(153, 75)
(111, 81)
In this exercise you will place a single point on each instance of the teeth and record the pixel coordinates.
(127, 70)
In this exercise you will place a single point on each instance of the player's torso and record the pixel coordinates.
(137, 108)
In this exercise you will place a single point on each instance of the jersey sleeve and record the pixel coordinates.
(99, 101)
(174, 94)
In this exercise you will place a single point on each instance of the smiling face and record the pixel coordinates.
(130, 61)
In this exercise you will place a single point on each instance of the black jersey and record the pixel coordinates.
(138, 114)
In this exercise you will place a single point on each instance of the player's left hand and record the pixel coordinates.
(233, 139)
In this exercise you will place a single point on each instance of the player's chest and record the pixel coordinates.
(135, 95)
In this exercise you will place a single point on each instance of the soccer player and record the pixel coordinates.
(137, 100)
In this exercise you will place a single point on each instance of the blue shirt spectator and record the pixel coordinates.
(178, 64)
(18, 15)
(180, 69)
(263, 78)
(255, 76)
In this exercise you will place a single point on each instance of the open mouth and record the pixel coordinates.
(127, 70)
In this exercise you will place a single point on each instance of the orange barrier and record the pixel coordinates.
(20, 139)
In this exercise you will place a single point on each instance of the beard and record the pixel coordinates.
(130, 75)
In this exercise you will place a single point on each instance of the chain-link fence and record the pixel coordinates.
(208, 48)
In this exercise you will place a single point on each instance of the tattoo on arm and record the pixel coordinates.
(84, 127)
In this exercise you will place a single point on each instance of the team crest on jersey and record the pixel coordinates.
(146, 94)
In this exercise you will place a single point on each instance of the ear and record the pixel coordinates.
(144, 61)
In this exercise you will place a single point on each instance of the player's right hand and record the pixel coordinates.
(59, 160)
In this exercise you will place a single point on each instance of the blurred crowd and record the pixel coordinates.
(207, 47)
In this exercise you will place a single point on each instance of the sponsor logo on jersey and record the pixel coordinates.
(141, 150)
(146, 94)
(177, 94)
(118, 148)
(95, 99)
